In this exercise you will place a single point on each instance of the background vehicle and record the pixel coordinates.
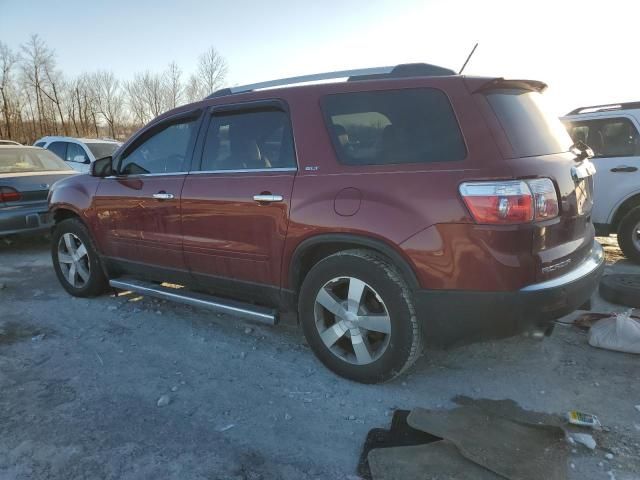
(8, 142)
(79, 153)
(404, 200)
(26, 174)
(612, 133)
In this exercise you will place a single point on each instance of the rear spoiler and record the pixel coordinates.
(478, 84)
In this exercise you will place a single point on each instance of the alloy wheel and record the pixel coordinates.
(352, 320)
(73, 260)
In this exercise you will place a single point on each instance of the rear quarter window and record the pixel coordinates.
(393, 127)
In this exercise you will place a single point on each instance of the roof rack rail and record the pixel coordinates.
(398, 71)
(602, 108)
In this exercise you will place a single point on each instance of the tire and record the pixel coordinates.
(622, 289)
(629, 235)
(339, 337)
(67, 252)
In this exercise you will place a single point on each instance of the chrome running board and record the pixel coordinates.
(195, 299)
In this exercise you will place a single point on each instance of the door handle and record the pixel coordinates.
(624, 169)
(267, 198)
(163, 196)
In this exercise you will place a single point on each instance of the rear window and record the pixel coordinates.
(529, 126)
(18, 160)
(393, 127)
(101, 150)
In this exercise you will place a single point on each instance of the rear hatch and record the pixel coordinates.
(535, 144)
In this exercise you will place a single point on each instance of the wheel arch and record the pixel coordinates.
(625, 207)
(312, 250)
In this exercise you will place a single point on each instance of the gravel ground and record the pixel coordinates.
(81, 382)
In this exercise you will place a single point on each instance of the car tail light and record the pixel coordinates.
(545, 198)
(510, 202)
(9, 194)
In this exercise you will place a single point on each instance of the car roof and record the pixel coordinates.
(74, 139)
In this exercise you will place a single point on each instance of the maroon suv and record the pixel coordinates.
(405, 206)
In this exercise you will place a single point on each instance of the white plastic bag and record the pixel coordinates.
(620, 333)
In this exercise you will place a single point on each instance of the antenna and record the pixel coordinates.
(468, 58)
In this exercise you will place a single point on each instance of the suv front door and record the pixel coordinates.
(235, 204)
(138, 209)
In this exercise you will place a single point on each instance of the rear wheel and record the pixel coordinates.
(76, 261)
(358, 317)
(629, 235)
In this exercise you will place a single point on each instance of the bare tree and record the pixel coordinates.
(108, 96)
(212, 71)
(193, 90)
(37, 99)
(173, 85)
(7, 60)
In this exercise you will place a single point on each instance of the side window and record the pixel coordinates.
(611, 137)
(250, 140)
(165, 150)
(40, 144)
(393, 126)
(75, 153)
(59, 148)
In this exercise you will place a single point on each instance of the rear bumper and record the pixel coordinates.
(29, 219)
(452, 317)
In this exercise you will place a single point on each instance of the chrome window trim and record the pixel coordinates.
(136, 175)
(246, 170)
(591, 263)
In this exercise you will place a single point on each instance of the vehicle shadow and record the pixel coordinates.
(24, 244)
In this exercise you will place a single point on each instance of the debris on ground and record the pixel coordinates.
(583, 419)
(584, 439)
(620, 332)
(164, 400)
(38, 338)
(474, 443)
(609, 456)
(248, 330)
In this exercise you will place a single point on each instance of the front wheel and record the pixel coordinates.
(629, 235)
(76, 261)
(358, 317)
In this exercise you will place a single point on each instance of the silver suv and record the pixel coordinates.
(612, 132)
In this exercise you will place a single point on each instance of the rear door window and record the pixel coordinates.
(249, 140)
(530, 127)
(75, 153)
(609, 137)
(393, 127)
(59, 148)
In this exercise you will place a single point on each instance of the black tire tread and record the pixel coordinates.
(98, 284)
(625, 232)
(392, 272)
(621, 289)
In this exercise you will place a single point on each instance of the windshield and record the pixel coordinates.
(525, 118)
(100, 149)
(23, 159)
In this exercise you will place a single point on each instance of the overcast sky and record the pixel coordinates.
(586, 50)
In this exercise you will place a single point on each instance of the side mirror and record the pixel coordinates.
(581, 150)
(80, 159)
(102, 167)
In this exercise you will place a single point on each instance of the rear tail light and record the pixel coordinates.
(510, 202)
(545, 198)
(9, 194)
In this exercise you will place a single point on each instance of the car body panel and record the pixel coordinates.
(133, 226)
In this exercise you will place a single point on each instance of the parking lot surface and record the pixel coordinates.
(81, 381)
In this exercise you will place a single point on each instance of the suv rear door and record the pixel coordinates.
(235, 203)
(616, 146)
(138, 209)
